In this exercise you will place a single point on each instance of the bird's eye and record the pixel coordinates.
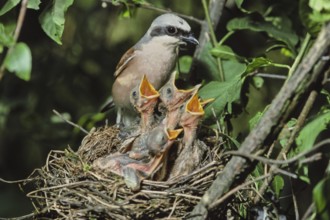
(134, 94)
(171, 30)
(168, 91)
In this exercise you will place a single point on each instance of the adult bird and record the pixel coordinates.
(155, 56)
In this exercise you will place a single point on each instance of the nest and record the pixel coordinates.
(67, 187)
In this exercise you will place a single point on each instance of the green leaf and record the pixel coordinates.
(5, 39)
(19, 60)
(224, 93)
(210, 62)
(8, 6)
(321, 198)
(283, 34)
(305, 11)
(52, 19)
(33, 4)
(311, 130)
(185, 63)
(262, 62)
(232, 68)
(225, 52)
(277, 185)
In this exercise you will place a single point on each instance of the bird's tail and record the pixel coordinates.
(108, 105)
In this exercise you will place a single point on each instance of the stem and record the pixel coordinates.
(209, 22)
(18, 28)
(300, 54)
(213, 37)
(225, 37)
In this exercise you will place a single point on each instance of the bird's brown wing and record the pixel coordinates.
(125, 59)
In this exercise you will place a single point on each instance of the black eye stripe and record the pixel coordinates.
(160, 31)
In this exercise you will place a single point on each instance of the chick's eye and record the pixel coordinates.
(171, 30)
(168, 91)
(134, 94)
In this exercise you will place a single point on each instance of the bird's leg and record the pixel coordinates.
(118, 118)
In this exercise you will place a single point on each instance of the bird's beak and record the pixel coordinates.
(190, 39)
(172, 134)
(194, 106)
(147, 90)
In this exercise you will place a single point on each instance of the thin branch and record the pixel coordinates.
(234, 190)
(300, 122)
(275, 161)
(272, 76)
(302, 51)
(17, 31)
(161, 10)
(69, 122)
(308, 212)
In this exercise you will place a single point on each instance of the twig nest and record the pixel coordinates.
(68, 187)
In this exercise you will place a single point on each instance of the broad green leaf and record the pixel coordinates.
(33, 4)
(224, 93)
(321, 198)
(210, 62)
(225, 52)
(304, 13)
(19, 61)
(232, 68)
(5, 39)
(282, 34)
(311, 130)
(185, 63)
(277, 185)
(52, 19)
(8, 6)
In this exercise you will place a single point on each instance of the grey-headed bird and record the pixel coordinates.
(155, 56)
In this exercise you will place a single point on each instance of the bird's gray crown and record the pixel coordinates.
(170, 20)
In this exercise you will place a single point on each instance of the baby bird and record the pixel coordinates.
(144, 98)
(173, 99)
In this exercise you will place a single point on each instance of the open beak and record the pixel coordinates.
(147, 90)
(190, 39)
(194, 106)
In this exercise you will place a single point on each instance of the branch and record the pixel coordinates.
(300, 122)
(70, 122)
(301, 79)
(161, 10)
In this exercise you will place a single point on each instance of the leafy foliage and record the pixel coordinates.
(52, 19)
(19, 61)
